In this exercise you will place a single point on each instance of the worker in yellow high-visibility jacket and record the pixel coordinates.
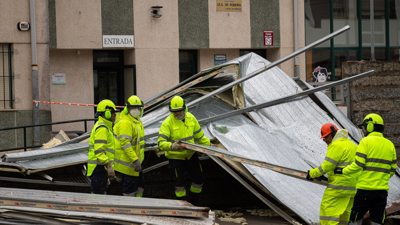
(339, 195)
(129, 147)
(181, 125)
(376, 160)
(101, 148)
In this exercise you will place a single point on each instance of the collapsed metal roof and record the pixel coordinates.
(286, 134)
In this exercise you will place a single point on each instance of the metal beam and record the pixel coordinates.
(257, 72)
(280, 100)
(252, 190)
(287, 98)
(223, 154)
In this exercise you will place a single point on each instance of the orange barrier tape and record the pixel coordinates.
(74, 104)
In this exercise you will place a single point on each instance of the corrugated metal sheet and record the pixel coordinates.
(292, 129)
(48, 158)
(287, 134)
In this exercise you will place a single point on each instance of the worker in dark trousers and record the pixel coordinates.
(182, 126)
(129, 147)
(377, 161)
(101, 148)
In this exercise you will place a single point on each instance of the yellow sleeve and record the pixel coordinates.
(198, 135)
(394, 162)
(127, 136)
(164, 135)
(332, 158)
(100, 144)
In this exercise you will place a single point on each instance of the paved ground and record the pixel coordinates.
(257, 220)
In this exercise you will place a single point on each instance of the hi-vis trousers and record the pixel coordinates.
(335, 210)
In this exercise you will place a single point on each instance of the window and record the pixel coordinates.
(318, 59)
(394, 22)
(6, 95)
(345, 13)
(395, 54)
(317, 21)
(379, 23)
(380, 54)
(325, 16)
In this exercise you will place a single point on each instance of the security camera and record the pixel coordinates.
(154, 11)
(24, 26)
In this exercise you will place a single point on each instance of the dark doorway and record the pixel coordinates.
(260, 52)
(187, 64)
(108, 76)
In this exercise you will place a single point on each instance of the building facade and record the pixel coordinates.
(325, 16)
(90, 50)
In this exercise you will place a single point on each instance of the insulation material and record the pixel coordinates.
(58, 139)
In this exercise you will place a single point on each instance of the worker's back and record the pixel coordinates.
(376, 155)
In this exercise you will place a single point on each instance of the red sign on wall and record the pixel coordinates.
(268, 38)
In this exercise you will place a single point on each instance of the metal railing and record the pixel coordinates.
(40, 125)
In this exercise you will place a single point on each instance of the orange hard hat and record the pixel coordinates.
(327, 129)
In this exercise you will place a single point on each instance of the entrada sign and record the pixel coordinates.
(118, 41)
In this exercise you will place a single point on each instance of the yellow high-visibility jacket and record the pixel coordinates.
(340, 153)
(129, 144)
(101, 145)
(173, 130)
(377, 161)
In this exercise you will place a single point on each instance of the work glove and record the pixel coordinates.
(308, 176)
(338, 171)
(178, 147)
(137, 165)
(110, 170)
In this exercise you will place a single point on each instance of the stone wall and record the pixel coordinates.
(379, 93)
(15, 138)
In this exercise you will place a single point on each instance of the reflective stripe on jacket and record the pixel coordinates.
(101, 145)
(340, 153)
(173, 129)
(129, 144)
(377, 161)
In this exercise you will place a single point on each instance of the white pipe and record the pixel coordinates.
(35, 76)
(371, 17)
(296, 38)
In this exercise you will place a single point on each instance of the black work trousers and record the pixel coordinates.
(131, 185)
(177, 170)
(372, 201)
(99, 180)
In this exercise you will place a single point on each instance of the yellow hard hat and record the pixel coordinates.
(106, 104)
(372, 122)
(177, 104)
(134, 101)
(105, 107)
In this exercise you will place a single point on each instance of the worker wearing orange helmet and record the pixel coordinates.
(339, 195)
